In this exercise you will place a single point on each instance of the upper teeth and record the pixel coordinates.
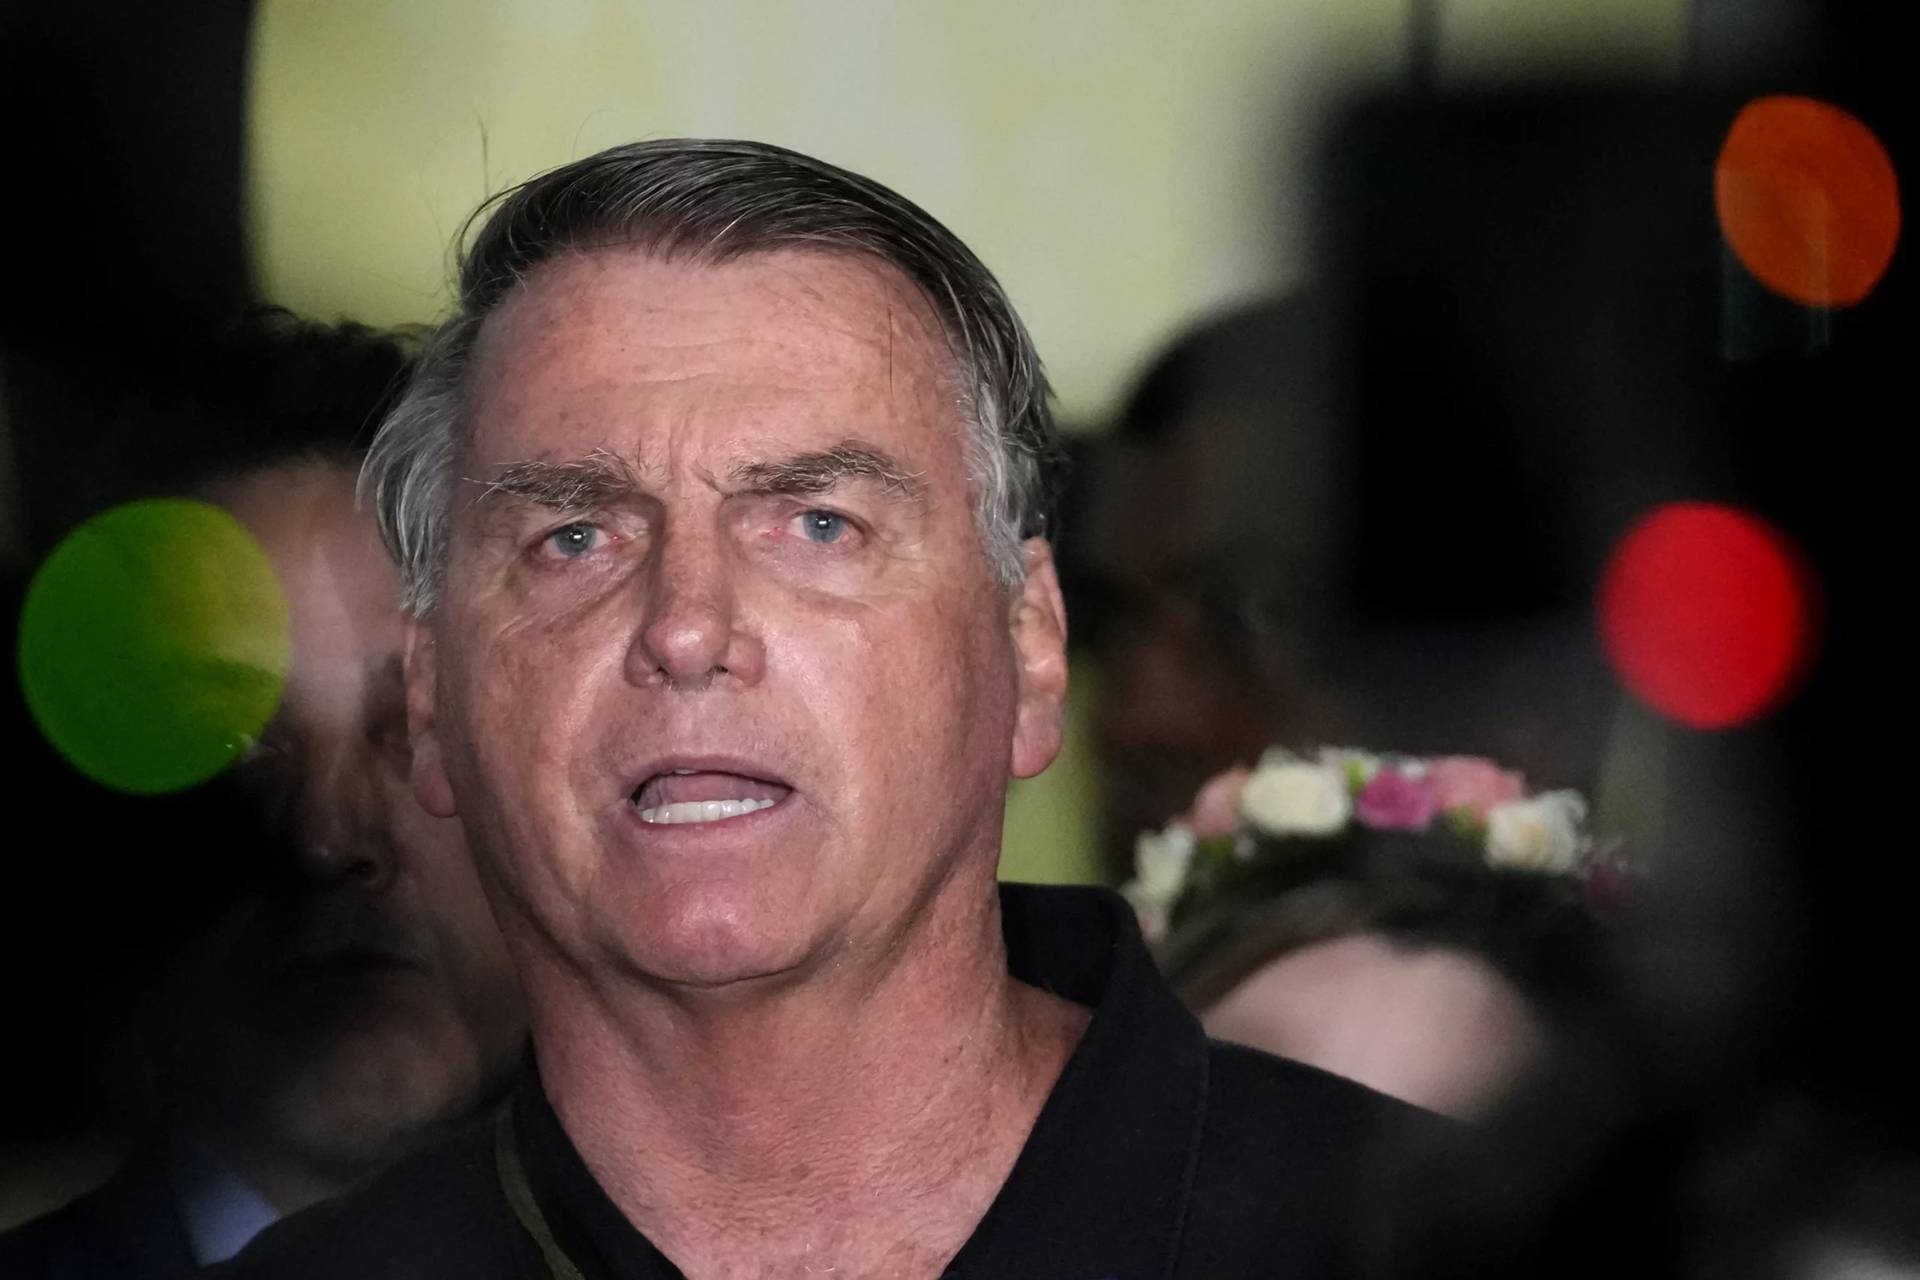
(702, 810)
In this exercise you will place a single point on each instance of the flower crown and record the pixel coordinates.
(1294, 798)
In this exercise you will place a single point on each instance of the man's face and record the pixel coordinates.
(364, 994)
(720, 679)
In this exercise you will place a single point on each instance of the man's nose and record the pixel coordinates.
(341, 833)
(690, 633)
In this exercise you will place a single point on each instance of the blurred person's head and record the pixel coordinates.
(349, 994)
(1206, 544)
(1217, 544)
(1414, 961)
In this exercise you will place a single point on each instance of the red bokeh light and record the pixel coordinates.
(1707, 614)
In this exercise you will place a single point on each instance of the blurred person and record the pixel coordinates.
(1551, 271)
(351, 998)
(719, 502)
(1208, 626)
(1422, 926)
(1617, 1164)
(1787, 1186)
(1244, 621)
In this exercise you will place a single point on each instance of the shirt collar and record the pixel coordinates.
(221, 1210)
(1100, 1189)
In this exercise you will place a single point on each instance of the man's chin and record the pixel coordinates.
(702, 934)
(709, 955)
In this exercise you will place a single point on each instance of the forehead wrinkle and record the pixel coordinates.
(845, 307)
(890, 328)
(533, 329)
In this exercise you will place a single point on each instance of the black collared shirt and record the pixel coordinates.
(1158, 1155)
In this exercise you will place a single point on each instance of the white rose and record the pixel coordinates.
(1155, 917)
(1161, 860)
(1291, 797)
(1541, 834)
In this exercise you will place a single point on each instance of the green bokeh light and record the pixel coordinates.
(154, 644)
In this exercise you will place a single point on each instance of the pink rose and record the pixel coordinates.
(1216, 809)
(1468, 782)
(1392, 801)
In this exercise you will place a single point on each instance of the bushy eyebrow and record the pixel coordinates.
(602, 478)
(820, 470)
(577, 484)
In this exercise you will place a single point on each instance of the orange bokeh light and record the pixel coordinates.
(1808, 200)
(1707, 614)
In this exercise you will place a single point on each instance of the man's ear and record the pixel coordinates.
(430, 785)
(1039, 624)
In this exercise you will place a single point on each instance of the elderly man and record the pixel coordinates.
(718, 506)
(349, 998)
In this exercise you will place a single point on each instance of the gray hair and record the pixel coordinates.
(714, 201)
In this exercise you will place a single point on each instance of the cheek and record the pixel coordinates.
(524, 691)
(865, 662)
(916, 701)
(509, 711)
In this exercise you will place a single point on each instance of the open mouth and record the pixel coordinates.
(684, 795)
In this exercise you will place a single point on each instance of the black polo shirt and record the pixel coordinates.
(1158, 1155)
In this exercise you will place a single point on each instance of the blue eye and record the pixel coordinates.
(573, 540)
(823, 526)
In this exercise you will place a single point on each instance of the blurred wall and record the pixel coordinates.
(1123, 166)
